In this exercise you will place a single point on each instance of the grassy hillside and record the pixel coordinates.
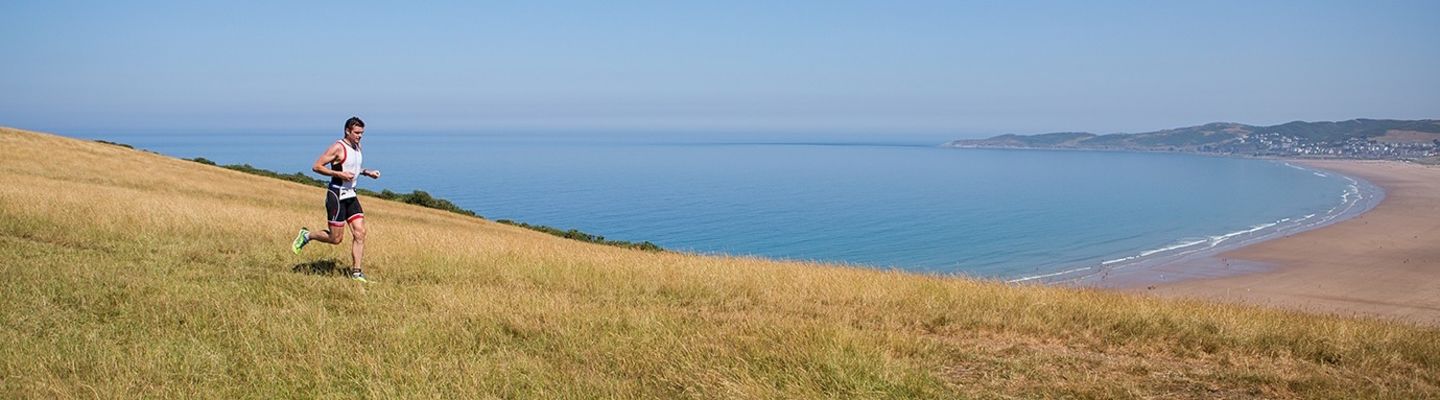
(130, 274)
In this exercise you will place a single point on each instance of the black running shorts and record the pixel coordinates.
(341, 211)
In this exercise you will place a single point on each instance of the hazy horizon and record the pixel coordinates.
(843, 68)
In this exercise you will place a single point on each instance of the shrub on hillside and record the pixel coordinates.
(424, 199)
(584, 237)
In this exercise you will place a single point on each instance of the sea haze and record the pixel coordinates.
(887, 203)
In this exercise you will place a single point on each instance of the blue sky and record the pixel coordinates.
(961, 68)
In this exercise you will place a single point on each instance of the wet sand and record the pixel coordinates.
(1384, 263)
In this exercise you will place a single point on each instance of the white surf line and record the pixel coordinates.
(1215, 240)
(1152, 252)
(1118, 260)
(1298, 226)
(1346, 202)
(1310, 170)
(1172, 247)
(1345, 198)
(1047, 275)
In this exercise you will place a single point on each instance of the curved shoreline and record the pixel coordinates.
(1142, 268)
(1380, 263)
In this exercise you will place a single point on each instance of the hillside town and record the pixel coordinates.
(1417, 140)
(1275, 144)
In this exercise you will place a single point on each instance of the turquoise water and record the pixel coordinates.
(901, 203)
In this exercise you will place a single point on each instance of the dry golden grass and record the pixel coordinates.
(128, 274)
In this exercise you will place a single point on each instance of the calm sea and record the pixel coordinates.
(882, 202)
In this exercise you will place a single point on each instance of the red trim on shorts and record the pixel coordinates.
(353, 217)
(337, 223)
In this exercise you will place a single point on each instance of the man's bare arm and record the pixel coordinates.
(322, 164)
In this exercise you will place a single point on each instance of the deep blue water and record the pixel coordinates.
(879, 201)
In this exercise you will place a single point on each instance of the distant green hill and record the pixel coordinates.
(1360, 138)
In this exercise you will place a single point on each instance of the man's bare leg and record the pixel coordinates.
(357, 246)
(326, 236)
(332, 236)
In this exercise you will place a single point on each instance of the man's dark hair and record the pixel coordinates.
(353, 122)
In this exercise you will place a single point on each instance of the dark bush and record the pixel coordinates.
(117, 144)
(424, 199)
(584, 237)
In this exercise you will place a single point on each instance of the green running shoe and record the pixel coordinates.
(355, 274)
(300, 240)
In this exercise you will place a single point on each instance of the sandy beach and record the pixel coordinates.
(1384, 263)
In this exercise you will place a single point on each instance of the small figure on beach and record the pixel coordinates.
(341, 162)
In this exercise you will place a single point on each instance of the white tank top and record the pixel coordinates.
(349, 162)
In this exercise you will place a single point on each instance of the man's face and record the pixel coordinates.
(354, 133)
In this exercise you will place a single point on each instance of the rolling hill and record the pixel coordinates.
(1235, 138)
(130, 274)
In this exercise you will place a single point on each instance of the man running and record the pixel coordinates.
(341, 162)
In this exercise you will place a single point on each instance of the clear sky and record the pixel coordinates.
(968, 68)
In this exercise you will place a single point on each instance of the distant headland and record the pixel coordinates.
(1372, 139)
